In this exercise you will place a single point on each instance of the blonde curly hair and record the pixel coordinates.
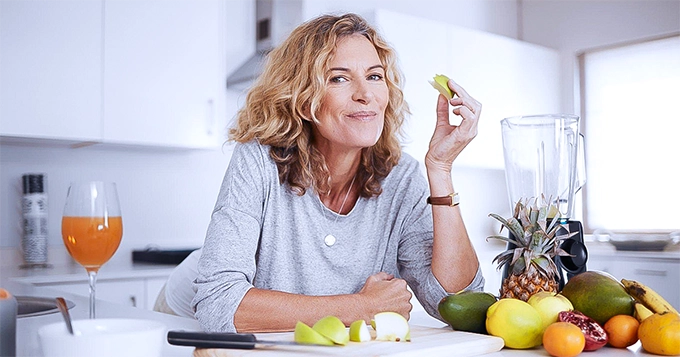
(293, 83)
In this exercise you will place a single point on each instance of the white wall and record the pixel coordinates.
(166, 195)
(495, 16)
(573, 26)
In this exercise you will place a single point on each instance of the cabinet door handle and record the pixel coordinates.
(133, 300)
(651, 272)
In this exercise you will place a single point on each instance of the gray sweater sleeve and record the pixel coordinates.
(227, 267)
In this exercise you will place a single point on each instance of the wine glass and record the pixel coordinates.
(92, 227)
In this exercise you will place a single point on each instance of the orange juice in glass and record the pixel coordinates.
(92, 227)
(91, 241)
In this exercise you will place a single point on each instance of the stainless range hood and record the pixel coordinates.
(274, 20)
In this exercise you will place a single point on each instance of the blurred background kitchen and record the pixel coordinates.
(140, 92)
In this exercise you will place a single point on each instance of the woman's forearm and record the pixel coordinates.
(271, 311)
(454, 261)
(268, 311)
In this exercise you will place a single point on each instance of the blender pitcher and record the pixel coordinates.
(544, 159)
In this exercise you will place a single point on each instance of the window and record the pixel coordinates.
(630, 97)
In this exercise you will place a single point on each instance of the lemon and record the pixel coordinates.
(516, 322)
(549, 305)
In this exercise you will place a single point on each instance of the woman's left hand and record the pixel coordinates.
(449, 140)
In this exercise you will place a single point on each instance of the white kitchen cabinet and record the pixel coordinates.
(661, 274)
(509, 77)
(153, 286)
(143, 72)
(51, 69)
(163, 83)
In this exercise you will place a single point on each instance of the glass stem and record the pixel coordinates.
(92, 277)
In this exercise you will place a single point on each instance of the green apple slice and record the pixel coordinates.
(440, 83)
(390, 326)
(306, 335)
(332, 328)
(358, 331)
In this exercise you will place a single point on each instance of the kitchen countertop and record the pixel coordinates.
(422, 319)
(28, 344)
(29, 283)
(596, 248)
(75, 273)
(27, 327)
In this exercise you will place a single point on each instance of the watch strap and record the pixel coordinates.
(448, 200)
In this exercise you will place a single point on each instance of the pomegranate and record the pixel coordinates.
(595, 335)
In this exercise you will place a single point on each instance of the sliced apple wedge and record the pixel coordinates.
(306, 335)
(440, 82)
(332, 328)
(358, 331)
(390, 326)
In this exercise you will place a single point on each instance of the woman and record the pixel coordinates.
(320, 213)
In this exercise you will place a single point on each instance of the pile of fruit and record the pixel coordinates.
(330, 330)
(592, 310)
(530, 311)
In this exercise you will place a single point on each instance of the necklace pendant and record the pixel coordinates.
(329, 240)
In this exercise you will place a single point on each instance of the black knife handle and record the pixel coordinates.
(242, 341)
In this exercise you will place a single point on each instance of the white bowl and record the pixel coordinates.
(103, 338)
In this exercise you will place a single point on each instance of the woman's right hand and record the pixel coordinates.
(382, 292)
(448, 140)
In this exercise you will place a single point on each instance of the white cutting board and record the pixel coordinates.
(425, 341)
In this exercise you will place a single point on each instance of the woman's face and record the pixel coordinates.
(352, 111)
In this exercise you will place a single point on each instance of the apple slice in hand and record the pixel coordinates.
(440, 82)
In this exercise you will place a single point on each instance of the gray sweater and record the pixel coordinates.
(263, 235)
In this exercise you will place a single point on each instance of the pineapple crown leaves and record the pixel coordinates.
(545, 265)
(533, 233)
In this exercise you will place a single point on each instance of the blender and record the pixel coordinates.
(544, 160)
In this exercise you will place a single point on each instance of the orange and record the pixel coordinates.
(622, 330)
(660, 333)
(563, 339)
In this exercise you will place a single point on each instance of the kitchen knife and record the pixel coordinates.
(242, 341)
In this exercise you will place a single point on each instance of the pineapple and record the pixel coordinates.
(530, 262)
